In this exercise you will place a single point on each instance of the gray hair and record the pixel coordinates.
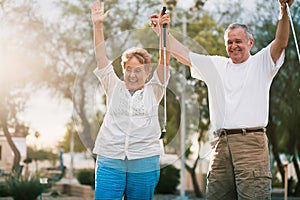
(237, 25)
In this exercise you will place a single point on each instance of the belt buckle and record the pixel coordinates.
(244, 131)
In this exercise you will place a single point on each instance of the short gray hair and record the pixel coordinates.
(237, 25)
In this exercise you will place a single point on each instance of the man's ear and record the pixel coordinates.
(251, 42)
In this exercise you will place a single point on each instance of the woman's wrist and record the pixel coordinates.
(98, 26)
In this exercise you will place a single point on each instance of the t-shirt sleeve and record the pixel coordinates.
(280, 60)
(268, 64)
(199, 63)
(207, 68)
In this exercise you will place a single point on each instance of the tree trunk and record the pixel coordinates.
(272, 139)
(192, 171)
(17, 156)
(86, 136)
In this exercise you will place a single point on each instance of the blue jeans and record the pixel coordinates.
(131, 179)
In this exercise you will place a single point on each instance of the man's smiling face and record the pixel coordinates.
(238, 45)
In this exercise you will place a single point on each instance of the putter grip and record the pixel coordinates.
(162, 13)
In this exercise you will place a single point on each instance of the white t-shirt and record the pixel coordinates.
(238, 93)
(130, 127)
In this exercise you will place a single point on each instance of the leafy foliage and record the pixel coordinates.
(41, 155)
(169, 180)
(4, 190)
(24, 187)
(86, 177)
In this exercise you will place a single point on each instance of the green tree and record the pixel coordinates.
(41, 155)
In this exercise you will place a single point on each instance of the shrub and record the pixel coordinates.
(4, 190)
(23, 187)
(168, 181)
(86, 177)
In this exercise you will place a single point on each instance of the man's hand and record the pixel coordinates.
(283, 3)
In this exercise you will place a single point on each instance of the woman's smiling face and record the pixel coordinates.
(135, 74)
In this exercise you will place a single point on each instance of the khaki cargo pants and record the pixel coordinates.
(240, 168)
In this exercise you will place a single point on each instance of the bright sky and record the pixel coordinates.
(48, 116)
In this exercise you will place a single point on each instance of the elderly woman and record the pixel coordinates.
(127, 146)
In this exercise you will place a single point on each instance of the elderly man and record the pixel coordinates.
(238, 89)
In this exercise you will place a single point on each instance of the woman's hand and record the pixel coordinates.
(154, 22)
(97, 12)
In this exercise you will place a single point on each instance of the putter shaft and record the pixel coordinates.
(293, 30)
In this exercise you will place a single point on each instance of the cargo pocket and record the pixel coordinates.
(263, 182)
(254, 184)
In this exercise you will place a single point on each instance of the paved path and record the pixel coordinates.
(157, 197)
(277, 195)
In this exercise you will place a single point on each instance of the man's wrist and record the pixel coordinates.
(283, 13)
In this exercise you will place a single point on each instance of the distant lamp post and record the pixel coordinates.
(72, 156)
(191, 13)
(286, 160)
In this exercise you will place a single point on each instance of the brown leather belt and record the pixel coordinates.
(223, 131)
